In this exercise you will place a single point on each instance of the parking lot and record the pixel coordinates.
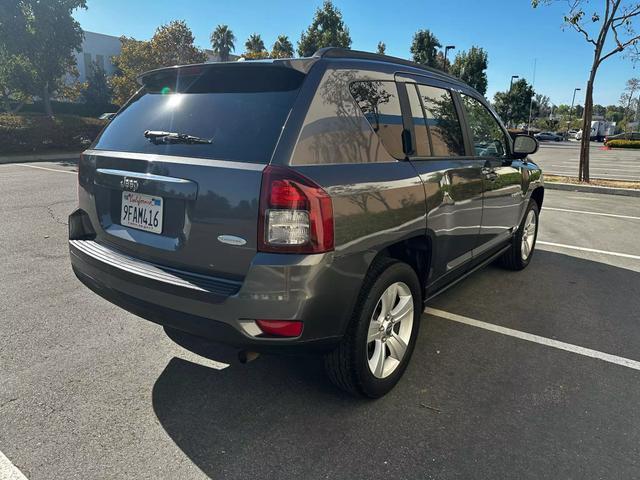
(522, 375)
(562, 158)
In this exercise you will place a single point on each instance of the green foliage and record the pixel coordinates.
(172, 44)
(425, 49)
(326, 30)
(40, 38)
(97, 92)
(223, 42)
(382, 48)
(254, 44)
(282, 48)
(135, 58)
(623, 143)
(17, 79)
(513, 105)
(471, 68)
(546, 124)
(40, 133)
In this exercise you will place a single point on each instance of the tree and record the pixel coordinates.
(513, 105)
(17, 78)
(282, 48)
(541, 106)
(614, 17)
(599, 110)
(44, 35)
(254, 44)
(626, 99)
(614, 113)
(171, 44)
(135, 58)
(382, 48)
(425, 49)
(326, 30)
(97, 92)
(471, 68)
(223, 42)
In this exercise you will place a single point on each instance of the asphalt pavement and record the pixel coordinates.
(562, 158)
(526, 375)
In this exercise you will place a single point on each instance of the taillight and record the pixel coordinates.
(281, 328)
(296, 215)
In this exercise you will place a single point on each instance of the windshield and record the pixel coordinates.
(240, 108)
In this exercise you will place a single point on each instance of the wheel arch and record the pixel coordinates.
(538, 195)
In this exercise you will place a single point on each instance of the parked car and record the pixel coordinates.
(623, 136)
(305, 205)
(548, 136)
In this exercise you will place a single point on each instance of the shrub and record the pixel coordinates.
(39, 133)
(623, 143)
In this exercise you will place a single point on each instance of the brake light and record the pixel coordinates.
(281, 328)
(296, 215)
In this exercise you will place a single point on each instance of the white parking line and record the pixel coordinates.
(590, 250)
(630, 217)
(587, 352)
(8, 471)
(44, 168)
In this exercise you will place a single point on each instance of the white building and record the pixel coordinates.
(98, 48)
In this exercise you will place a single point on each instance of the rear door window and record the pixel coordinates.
(379, 102)
(442, 121)
(240, 108)
(488, 138)
(423, 145)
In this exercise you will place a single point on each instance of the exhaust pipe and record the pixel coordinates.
(245, 356)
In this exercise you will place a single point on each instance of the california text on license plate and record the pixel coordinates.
(143, 212)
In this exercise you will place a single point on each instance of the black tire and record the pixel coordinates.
(347, 366)
(513, 258)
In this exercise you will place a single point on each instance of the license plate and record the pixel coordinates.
(143, 212)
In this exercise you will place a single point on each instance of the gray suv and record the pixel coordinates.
(302, 205)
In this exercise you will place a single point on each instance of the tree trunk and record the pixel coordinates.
(583, 172)
(46, 100)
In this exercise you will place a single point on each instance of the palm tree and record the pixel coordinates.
(254, 44)
(222, 42)
(282, 48)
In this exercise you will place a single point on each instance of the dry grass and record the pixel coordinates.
(594, 182)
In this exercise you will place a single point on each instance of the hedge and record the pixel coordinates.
(39, 133)
(70, 108)
(623, 143)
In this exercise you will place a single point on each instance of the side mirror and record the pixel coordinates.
(524, 145)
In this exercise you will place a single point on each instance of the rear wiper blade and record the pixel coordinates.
(157, 136)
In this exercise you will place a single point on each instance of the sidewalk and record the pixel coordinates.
(39, 157)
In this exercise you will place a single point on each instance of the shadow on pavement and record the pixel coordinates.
(67, 162)
(472, 404)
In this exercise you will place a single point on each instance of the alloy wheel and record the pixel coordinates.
(528, 235)
(390, 330)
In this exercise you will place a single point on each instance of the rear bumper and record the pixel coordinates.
(312, 288)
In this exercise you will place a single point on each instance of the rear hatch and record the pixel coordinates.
(185, 194)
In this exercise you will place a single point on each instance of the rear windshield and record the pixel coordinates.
(240, 108)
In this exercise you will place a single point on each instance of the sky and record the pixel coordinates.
(515, 35)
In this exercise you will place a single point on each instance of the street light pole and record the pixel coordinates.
(571, 111)
(446, 50)
(511, 84)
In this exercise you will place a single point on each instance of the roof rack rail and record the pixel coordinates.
(336, 52)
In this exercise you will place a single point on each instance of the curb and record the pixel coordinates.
(628, 192)
(44, 157)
